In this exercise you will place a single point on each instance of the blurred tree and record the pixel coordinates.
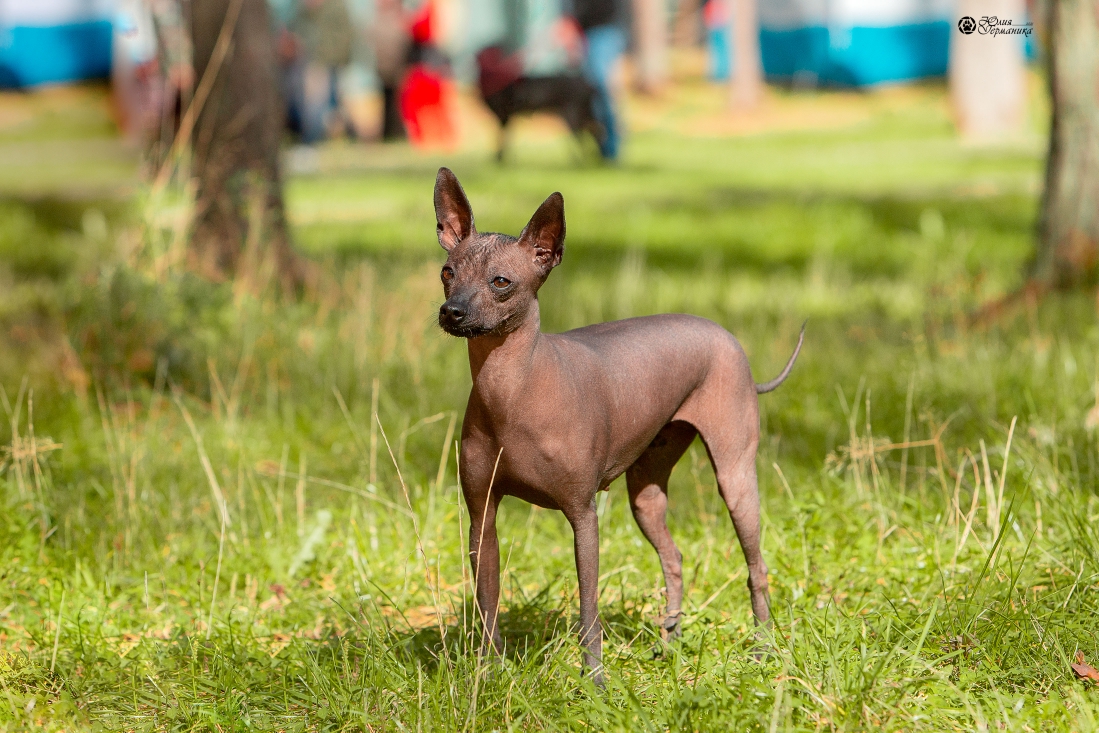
(239, 221)
(747, 76)
(987, 74)
(1068, 244)
(687, 30)
(650, 19)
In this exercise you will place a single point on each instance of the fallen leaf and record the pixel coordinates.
(277, 602)
(277, 643)
(1084, 671)
(422, 617)
(128, 643)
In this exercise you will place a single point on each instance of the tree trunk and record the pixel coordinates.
(987, 74)
(239, 217)
(747, 76)
(1068, 247)
(687, 31)
(651, 35)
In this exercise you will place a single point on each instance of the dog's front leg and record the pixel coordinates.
(585, 528)
(484, 555)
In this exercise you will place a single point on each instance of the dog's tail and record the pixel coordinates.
(774, 383)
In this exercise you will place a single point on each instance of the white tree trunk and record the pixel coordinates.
(747, 77)
(987, 73)
(651, 35)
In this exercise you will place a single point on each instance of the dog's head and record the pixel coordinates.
(491, 280)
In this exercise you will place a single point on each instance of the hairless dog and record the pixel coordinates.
(555, 418)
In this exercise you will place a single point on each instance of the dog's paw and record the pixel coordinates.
(761, 649)
(672, 628)
(670, 631)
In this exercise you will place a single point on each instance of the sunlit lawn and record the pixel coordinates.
(924, 576)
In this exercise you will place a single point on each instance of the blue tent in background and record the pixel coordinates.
(854, 42)
(49, 41)
(804, 42)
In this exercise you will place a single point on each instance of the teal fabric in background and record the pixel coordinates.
(802, 42)
(855, 56)
(35, 55)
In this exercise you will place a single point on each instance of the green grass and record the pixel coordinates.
(64, 140)
(908, 593)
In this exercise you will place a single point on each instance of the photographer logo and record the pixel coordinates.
(991, 25)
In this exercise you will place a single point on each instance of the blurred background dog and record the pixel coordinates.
(507, 92)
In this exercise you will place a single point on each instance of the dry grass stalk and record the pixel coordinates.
(207, 467)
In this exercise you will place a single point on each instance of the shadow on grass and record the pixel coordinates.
(529, 626)
(533, 629)
(748, 229)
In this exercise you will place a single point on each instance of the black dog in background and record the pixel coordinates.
(508, 93)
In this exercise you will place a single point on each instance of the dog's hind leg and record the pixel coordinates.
(647, 482)
(578, 124)
(733, 455)
(502, 140)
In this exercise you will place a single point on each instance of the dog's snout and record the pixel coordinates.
(458, 318)
(453, 312)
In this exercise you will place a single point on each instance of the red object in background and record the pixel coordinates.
(421, 27)
(715, 14)
(427, 94)
(497, 70)
(425, 107)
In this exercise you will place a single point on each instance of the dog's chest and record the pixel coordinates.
(530, 457)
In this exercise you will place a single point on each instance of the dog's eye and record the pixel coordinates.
(501, 282)
(447, 274)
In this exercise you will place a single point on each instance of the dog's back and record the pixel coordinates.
(568, 96)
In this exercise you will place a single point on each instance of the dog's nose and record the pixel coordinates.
(453, 313)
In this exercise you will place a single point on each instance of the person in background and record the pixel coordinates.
(602, 24)
(137, 86)
(715, 15)
(391, 41)
(316, 47)
(427, 90)
(151, 73)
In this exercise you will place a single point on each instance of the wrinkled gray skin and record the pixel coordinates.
(554, 418)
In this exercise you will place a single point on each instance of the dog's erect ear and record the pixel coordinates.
(453, 214)
(545, 233)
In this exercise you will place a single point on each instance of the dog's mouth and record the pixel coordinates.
(463, 330)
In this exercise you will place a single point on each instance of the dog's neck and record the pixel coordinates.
(500, 363)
